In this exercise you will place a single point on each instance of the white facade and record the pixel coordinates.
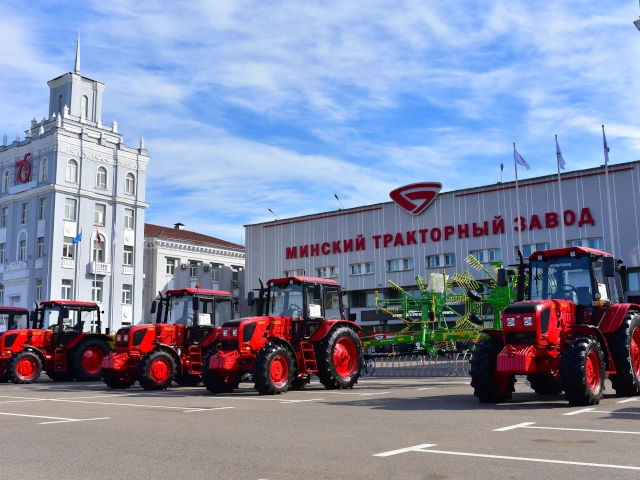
(80, 179)
(177, 258)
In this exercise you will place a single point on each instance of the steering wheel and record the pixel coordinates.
(566, 288)
(293, 306)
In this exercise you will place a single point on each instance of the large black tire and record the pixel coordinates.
(206, 358)
(24, 367)
(222, 381)
(273, 369)
(118, 381)
(87, 359)
(582, 371)
(625, 350)
(545, 384)
(156, 370)
(339, 358)
(60, 376)
(489, 385)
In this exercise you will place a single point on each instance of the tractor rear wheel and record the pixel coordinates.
(625, 350)
(87, 359)
(156, 370)
(339, 358)
(118, 381)
(582, 371)
(273, 369)
(489, 385)
(24, 367)
(545, 384)
(222, 381)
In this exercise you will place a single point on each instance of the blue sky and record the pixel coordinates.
(251, 105)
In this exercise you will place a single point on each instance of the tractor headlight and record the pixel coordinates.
(118, 338)
(234, 332)
(125, 338)
(528, 321)
(225, 333)
(511, 322)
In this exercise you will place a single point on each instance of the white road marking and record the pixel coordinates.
(426, 388)
(349, 393)
(204, 409)
(513, 427)
(425, 448)
(593, 410)
(632, 399)
(58, 419)
(529, 425)
(583, 410)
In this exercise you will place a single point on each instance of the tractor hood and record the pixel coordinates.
(529, 306)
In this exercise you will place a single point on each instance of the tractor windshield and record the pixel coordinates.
(285, 300)
(564, 278)
(180, 310)
(79, 320)
(213, 311)
(19, 321)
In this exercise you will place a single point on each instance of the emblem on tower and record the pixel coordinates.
(23, 169)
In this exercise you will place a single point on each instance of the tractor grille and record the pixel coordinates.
(121, 344)
(520, 338)
(227, 345)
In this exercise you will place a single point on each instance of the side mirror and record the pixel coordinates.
(64, 312)
(196, 304)
(154, 305)
(609, 267)
(251, 299)
(33, 318)
(502, 277)
(317, 291)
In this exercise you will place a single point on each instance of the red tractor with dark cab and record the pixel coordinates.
(173, 348)
(63, 339)
(573, 329)
(300, 331)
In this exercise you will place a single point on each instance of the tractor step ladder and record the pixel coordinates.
(195, 355)
(309, 356)
(60, 359)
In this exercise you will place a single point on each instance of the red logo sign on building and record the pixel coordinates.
(415, 198)
(23, 169)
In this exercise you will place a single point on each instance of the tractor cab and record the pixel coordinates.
(13, 318)
(66, 319)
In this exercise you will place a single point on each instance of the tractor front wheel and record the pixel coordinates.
(156, 370)
(117, 380)
(625, 350)
(273, 369)
(489, 385)
(87, 359)
(222, 381)
(24, 367)
(545, 384)
(582, 371)
(339, 358)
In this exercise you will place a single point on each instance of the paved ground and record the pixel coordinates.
(382, 429)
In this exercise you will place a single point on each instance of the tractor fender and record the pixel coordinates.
(615, 315)
(326, 326)
(39, 353)
(171, 351)
(594, 332)
(83, 336)
(287, 344)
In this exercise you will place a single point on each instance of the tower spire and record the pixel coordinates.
(77, 69)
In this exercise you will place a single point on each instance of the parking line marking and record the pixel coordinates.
(529, 425)
(204, 409)
(76, 420)
(632, 399)
(122, 404)
(59, 419)
(425, 448)
(583, 410)
(426, 388)
(513, 427)
(300, 401)
(350, 393)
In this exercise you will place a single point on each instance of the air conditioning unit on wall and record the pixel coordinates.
(185, 266)
(207, 268)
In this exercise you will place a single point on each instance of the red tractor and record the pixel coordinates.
(573, 329)
(172, 349)
(63, 340)
(301, 331)
(11, 319)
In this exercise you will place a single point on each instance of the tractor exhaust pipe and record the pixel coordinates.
(521, 278)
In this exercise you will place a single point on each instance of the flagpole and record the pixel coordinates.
(515, 165)
(564, 238)
(113, 273)
(606, 174)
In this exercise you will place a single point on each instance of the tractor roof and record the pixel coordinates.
(19, 310)
(280, 281)
(71, 304)
(565, 252)
(196, 291)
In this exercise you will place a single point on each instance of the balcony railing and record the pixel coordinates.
(68, 262)
(98, 268)
(127, 270)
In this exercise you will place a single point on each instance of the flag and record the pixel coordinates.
(606, 147)
(98, 238)
(561, 162)
(517, 158)
(113, 235)
(77, 238)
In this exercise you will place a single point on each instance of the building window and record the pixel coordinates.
(130, 184)
(96, 291)
(322, 272)
(171, 266)
(289, 273)
(128, 255)
(235, 275)
(3, 218)
(24, 216)
(400, 265)
(84, 106)
(543, 246)
(42, 208)
(98, 218)
(101, 178)
(98, 250)
(72, 171)
(127, 294)
(128, 218)
(495, 255)
(215, 272)
(44, 167)
(597, 243)
(449, 259)
(333, 271)
(22, 250)
(67, 287)
(193, 269)
(633, 281)
(67, 247)
(5, 181)
(3, 252)
(40, 252)
(70, 209)
(38, 289)
(433, 261)
(574, 243)
(356, 269)
(478, 255)
(300, 272)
